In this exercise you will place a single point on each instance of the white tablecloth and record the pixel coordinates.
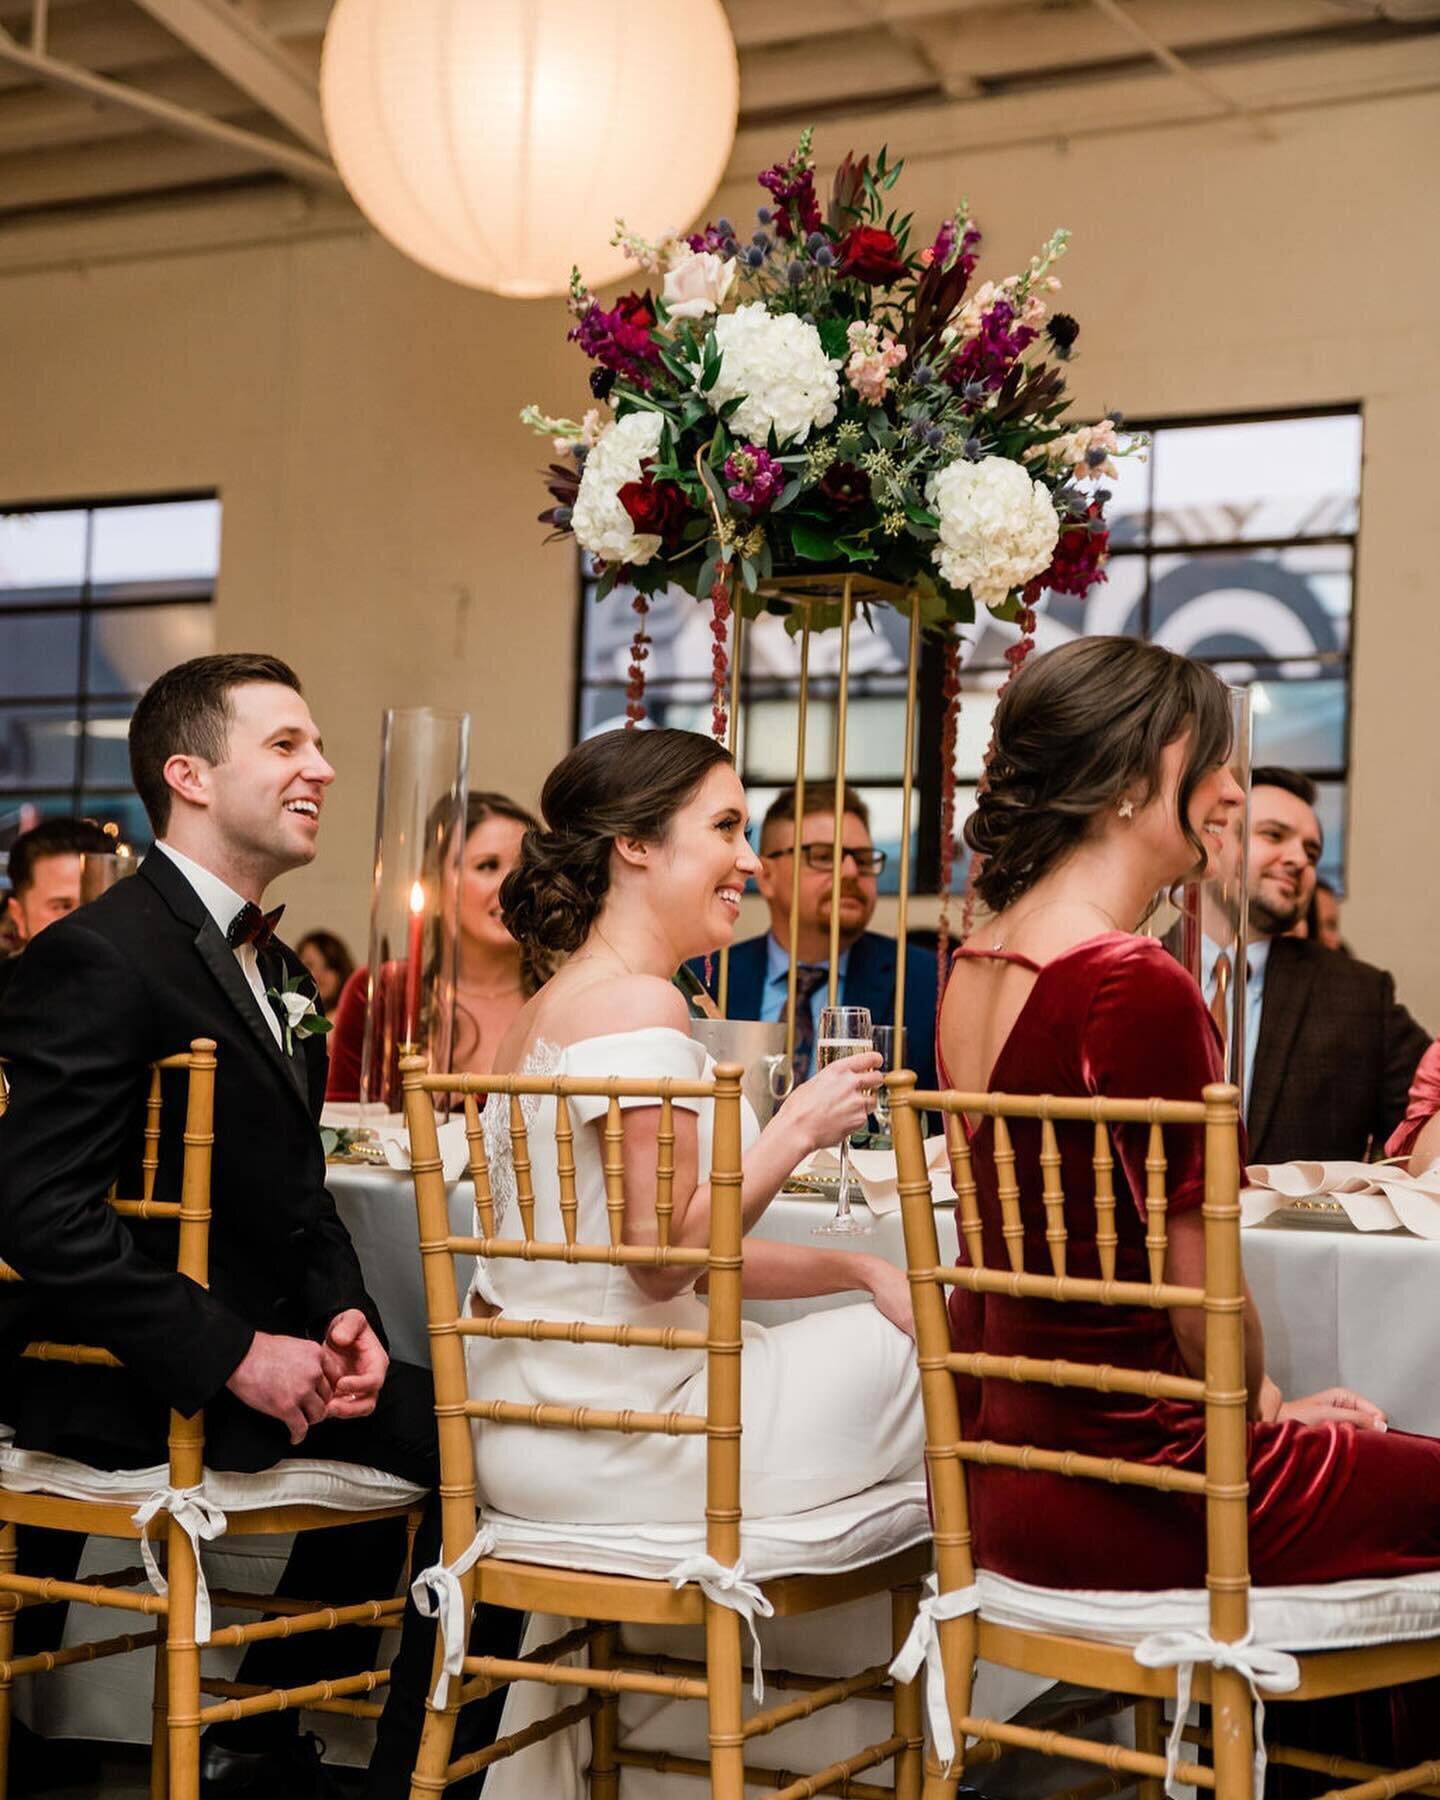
(1339, 1306)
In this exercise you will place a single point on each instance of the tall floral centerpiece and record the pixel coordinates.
(823, 413)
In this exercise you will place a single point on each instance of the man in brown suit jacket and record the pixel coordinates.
(1335, 1051)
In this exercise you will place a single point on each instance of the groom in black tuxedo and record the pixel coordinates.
(285, 1350)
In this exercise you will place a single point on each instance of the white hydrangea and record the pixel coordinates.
(779, 365)
(998, 528)
(600, 523)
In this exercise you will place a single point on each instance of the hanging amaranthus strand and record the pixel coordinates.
(719, 655)
(1015, 656)
(639, 653)
(949, 732)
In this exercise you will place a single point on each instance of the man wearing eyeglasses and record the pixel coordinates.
(760, 967)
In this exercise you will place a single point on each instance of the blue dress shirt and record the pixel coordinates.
(777, 987)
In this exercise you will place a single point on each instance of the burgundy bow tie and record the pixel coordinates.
(251, 926)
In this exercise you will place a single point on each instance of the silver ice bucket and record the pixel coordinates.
(758, 1044)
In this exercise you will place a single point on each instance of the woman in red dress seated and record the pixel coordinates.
(1109, 782)
(495, 978)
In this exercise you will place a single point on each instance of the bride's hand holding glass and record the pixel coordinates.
(825, 1109)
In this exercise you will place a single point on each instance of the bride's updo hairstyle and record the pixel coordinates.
(619, 784)
(1077, 729)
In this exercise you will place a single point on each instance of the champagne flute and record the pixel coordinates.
(889, 1041)
(844, 1031)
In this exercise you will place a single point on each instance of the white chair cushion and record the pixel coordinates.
(848, 1534)
(1338, 1615)
(346, 1487)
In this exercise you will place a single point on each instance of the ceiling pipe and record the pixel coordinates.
(55, 73)
(1167, 58)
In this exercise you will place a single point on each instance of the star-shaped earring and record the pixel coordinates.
(1126, 808)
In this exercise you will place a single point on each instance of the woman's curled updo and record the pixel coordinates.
(619, 784)
(1077, 729)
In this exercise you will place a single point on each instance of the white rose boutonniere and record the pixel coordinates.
(297, 1012)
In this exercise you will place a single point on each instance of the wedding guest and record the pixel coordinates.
(284, 1348)
(330, 966)
(1109, 782)
(1329, 1051)
(1418, 1133)
(496, 977)
(44, 873)
(1323, 918)
(640, 865)
(759, 966)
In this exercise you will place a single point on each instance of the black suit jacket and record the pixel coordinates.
(869, 981)
(1335, 1057)
(96, 997)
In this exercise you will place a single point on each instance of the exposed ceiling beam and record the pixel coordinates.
(1224, 101)
(187, 226)
(246, 54)
(1024, 44)
(1106, 109)
(89, 173)
(757, 22)
(251, 145)
(791, 75)
(41, 117)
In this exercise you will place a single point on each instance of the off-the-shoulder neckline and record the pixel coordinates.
(540, 1046)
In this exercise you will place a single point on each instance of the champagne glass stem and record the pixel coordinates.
(842, 1199)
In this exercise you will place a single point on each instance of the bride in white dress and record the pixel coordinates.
(640, 867)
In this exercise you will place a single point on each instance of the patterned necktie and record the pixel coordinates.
(808, 977)
(251, 926)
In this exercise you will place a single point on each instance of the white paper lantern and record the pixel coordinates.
(497, 141)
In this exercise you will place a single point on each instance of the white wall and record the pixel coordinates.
(357, 416)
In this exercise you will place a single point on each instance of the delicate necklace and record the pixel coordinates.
(1094, 905)
(474, 993)
(589, 955)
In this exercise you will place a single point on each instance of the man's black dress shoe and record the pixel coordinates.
(294, 1772)
(40, 1766)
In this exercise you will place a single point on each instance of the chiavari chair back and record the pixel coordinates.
(1210, 1649)
(714, 1595)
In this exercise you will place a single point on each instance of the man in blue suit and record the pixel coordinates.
(759, 967)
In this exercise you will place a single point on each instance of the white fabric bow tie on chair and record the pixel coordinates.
(1274, 1670)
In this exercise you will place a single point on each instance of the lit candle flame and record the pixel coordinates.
(417, 898)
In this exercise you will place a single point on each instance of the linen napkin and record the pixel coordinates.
(877, 1175)
(1375, 1196)
(454, 1151)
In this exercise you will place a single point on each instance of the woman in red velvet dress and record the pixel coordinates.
(1108, 782)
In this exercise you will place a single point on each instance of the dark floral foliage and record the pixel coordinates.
(620, 338)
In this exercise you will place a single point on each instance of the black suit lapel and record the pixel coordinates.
(274, 973)
(220, 959)
(1288, 975)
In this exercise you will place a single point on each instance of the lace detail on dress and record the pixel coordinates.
(544, 1059)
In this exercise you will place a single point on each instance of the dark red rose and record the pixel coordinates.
(656, 508)
(871, 255)
(846, 488)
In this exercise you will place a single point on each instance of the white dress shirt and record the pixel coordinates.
(222, 903)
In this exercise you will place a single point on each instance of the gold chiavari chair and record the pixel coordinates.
(61, 1495)
(476, 1572)
(1221, 1647)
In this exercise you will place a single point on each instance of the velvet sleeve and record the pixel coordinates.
(1148, 1035)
